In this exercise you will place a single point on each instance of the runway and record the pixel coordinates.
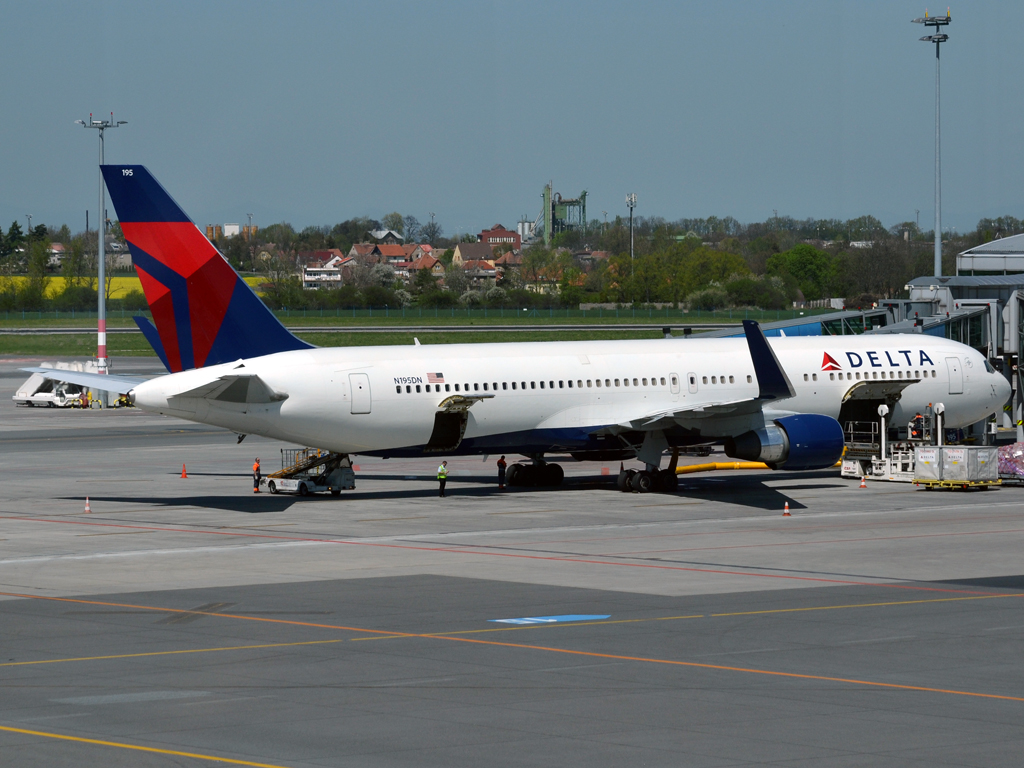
(186, 621)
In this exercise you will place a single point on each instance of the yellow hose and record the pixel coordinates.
(721, 465)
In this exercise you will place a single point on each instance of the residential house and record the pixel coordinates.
(55, 255)
(362, 252)
(427, 262)
(333, 273)
(386, 236)
(473, 252)
(478, 271)
(390, 254)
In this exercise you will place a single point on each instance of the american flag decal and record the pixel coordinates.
(435, 378)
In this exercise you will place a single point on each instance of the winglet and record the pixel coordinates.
(772, 381)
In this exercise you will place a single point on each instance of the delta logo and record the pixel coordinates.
(829, 363)
(875, 359)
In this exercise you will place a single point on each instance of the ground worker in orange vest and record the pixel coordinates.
(256, 476)
(501, 473)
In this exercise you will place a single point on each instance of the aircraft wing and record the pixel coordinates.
(103, 382)
(772, 384)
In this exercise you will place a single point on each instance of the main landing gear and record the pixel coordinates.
(538, 474)
(647, 481)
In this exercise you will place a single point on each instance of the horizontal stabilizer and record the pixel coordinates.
(104, 383)
(246, 388)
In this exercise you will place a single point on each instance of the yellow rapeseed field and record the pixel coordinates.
(120, 286)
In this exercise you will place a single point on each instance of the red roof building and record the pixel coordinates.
(498, 235)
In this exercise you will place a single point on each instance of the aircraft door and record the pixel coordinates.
(956, 376)
(674, 381)
(691, 382)
(360, 384)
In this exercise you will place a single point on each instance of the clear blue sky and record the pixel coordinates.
(314, 112)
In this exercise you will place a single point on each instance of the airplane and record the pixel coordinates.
(232, 364)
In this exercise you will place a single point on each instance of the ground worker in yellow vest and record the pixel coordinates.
(442, 477)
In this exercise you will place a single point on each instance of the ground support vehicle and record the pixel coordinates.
(307, 471)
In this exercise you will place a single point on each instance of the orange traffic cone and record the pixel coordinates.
(863, 482)
(785, 511)
(183, 473)
(87, 509)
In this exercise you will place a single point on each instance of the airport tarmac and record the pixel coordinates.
(186, 621)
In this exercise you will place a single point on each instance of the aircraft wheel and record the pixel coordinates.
(622, 481)
(303, 490)
(512, 477)
(335, 492)
(668, 481)
(627, 481)
(272, 486)
(552, 474)
(643, 482)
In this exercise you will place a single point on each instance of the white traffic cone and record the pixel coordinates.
(87, 509)
(785, 510)
(863, 482)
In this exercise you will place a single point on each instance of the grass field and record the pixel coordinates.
(346, 318)
(134, 345)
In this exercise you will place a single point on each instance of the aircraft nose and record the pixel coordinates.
(1004, 389)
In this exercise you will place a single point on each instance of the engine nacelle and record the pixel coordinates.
(801, 441)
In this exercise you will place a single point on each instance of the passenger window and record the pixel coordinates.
(542, 385)
(806, 377)
(408, 388)
(504, 385)
(533, 385)
(814, 376)
(476, 387)
(732, 380)
(749, 380)
(551, 385)
(714, 379)
(598, 382)
(447, 387)
(398, 389)
(588, 380)
(579, 383)
(616, 381)
(705, 378)
(625, 382)
(485, 386)
(456, 386)
(858, 375)
(663, 381)
(635, 383)
(561, 385)
(692, 381)
(417, 387)
(495, 386)
(524, 385)
(607, 382)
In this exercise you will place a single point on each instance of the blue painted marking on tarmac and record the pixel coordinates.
(554, 619)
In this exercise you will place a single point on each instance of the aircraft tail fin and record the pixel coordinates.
(203, 312)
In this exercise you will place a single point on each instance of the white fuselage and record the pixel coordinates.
(384, 399)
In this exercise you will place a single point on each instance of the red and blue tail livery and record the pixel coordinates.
(204, 313)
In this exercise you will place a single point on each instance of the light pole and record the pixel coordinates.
(29, 233)
(631, 202)
(101, 231)
(250, 226)
(938, 38)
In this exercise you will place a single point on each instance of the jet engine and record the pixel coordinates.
(801, 441)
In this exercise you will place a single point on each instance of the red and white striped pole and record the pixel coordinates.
(101, 231)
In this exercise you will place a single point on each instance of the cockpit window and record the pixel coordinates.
(989, 368)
